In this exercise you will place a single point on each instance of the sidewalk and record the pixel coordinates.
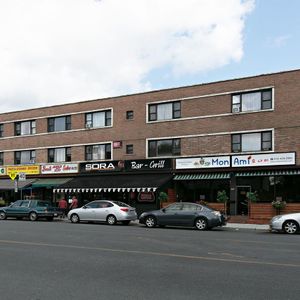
(247, 226)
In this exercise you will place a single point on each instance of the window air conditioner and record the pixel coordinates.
(88, 125)
(235, 109)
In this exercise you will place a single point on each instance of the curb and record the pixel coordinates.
(247, 226)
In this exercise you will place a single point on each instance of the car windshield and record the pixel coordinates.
(121, 204)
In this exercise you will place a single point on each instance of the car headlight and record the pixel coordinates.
(217, 213)
(276, 218)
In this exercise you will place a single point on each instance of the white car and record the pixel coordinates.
(289, 223)
(107, 211)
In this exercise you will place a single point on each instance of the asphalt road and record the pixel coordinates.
(59, 260)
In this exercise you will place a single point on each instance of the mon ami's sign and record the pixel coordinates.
(203, 162)
(256, 160)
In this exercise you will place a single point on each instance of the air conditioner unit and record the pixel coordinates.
(235, 109)
(88, 125)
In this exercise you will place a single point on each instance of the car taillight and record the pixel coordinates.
(124, 209)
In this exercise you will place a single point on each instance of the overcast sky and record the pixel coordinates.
(59, 51)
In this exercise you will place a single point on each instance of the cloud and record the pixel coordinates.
(62, 51)
(280, 41)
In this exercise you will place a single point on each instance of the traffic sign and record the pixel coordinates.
(22, 176)
(12, 175)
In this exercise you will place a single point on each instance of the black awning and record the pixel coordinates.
(115, 183)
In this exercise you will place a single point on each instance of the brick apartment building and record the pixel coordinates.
(238, 135)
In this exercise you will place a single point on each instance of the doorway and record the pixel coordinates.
(242, 202)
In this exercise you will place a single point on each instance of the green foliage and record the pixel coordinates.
(222, 196)
(252, 196)
(163, 197)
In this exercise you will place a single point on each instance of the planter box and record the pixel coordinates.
(216, 206)
(266, 211)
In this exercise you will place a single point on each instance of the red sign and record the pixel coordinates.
(146, 197)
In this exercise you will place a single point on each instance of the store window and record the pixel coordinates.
(59, 154)
(25, 128)
(1, 158)
(164, 111)
(59, 124)
(252, 101)
(171, 147)
(1, 130)
(258, 141)
(25, 157)
(98, 152)
(98, 119)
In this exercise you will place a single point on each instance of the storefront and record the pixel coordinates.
(272, 177)
(136, 182)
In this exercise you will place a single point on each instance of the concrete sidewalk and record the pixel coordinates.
(247, 226)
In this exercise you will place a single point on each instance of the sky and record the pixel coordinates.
(61, 51)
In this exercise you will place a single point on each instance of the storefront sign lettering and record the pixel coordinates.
(102, 166)
(147, 164)
(203, 162)
(59, 168)
(32, 169)
(273, 159)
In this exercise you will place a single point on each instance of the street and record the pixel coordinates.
(60, 260)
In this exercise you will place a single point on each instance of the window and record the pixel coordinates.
(59, 154)
(98, 119)
(129, 149)
(1, 130)
(98, 152)
(129, 115)
(164, 148)
(164, 111)
(25, 157)
(25, 128)
(252, 101)
(1, 159)
(59, 124)
(259, 141)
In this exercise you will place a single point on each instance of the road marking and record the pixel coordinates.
(153, 254)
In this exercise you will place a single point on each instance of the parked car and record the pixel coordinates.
(107, 211)
(184, 214)
(288, 223)
(32, 209)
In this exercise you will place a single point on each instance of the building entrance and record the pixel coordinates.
(242, 202)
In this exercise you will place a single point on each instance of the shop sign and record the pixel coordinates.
(59, 168)
(27, 169)
(146, 197)
(148, 164)
(255, 160)
(203, 162)
(2, 171)
(101, 166)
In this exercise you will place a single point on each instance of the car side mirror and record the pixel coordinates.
(163, 210)
(84, 207)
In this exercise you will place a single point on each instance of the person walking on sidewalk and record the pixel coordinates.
(74, 203)
(63, 205)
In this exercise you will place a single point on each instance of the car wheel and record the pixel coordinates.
(75, 218)
(125, 222)
(111, 220)
(150, 221)
(2, 215)
(33, 216)
(201, 224)
(290, 227)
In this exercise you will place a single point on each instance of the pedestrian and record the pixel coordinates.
(74, 203)
(63, 205)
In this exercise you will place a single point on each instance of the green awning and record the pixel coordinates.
(268, 173)
(202, 176)
(49, 182)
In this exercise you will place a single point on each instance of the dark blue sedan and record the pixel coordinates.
(184, 214)
(32, 209)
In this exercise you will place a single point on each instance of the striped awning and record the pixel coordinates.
(202, 176)
(268, 173)
(114, 183)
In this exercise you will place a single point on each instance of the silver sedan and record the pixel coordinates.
(289, 223)
(107, 211)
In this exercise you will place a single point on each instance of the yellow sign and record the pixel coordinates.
(30, 169)
(12, 175)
